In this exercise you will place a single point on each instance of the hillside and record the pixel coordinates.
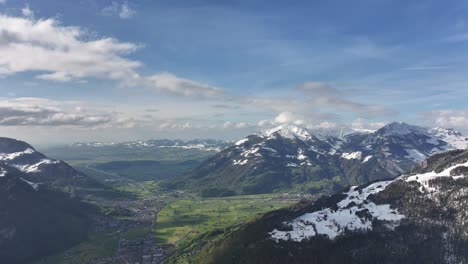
(417, 218)
(39, 169)
(35, 220)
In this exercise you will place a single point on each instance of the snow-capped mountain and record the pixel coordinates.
(38, 169)
(209, 145)
(421, 217)
(288, 157)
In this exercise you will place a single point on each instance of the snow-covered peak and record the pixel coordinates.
(453, 138)
(401, 128)
(440, 131)
(242, 141)
(288, 131)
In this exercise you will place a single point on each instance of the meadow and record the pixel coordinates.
(183, 220)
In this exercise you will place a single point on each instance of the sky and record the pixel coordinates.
(96, 70)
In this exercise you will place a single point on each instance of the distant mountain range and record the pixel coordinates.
(211, 145)
(421, 217)
(292, 158)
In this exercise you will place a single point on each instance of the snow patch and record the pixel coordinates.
(240, 162)
(288, 131)
(28, 168)
(352, 155)
(334, 223)
(300, 155)
(425, 178)
(366, 159)
(242, 141)
(32, 184)
(454, 139)
(14, 155)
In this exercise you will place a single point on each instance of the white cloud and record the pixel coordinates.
(327, 125)
(239, 125)
(169, 83)
(360, 124)
(288, 118)
(63, 54)
(284, 117)
(122, 10)
(126, 11)
(448, 118)
(27, 12)
(175, 126)
(3, 1)
(46, 112)
(264, 123)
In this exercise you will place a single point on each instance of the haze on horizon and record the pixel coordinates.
(123, 70)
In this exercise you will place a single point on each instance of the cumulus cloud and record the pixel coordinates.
(363, 125)
(27, 12)
(122, 10)
(448, 118)
(62, 53)
(287, 118)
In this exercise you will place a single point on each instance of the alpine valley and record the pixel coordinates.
(279, 196)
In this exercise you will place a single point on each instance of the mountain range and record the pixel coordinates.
(201, 144)
(420, 217)
(292, 158)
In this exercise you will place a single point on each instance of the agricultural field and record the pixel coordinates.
(98, 245)
(183, 220)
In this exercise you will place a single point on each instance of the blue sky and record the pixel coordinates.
(121, 70)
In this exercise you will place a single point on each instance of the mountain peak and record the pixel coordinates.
(9, 145)
(288, 131)
(445, 131)
(401, 128)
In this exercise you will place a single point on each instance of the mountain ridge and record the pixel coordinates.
(288, 156)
